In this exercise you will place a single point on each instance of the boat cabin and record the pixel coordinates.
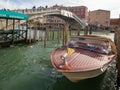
(94, 44)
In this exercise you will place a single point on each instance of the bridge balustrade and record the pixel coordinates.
(30, 11)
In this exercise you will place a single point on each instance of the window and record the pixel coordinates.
(96, 19)
(106, 20)
(97, 13)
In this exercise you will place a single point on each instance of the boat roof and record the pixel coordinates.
(92, 37)
(5, 14)
(101, 38)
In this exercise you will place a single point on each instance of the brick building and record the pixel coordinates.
(115, 22)
(59, 7)
(80, 11)
(99, 18)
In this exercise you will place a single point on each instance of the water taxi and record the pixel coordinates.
(84, 57)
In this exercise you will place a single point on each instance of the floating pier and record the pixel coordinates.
(10, 35)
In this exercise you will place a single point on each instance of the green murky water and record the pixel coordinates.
(28, 67)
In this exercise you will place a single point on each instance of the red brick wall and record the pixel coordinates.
(99, 17)
(80, 11)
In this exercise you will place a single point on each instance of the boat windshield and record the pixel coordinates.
(99, 46)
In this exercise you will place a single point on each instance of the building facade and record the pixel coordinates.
(80, 11)
(114, 23)
(99, 18)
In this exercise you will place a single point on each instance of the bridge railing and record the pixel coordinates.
(31, 11)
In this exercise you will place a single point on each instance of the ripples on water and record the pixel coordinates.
(28, 67)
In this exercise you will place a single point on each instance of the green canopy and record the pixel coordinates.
(13, 15)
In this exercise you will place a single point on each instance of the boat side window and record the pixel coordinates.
(98, 46)
(71, 43)
(103, 49)
(82, 38)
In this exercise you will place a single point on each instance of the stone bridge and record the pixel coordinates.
(37, 13)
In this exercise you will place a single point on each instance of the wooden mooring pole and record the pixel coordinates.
(63, 35)
(117, 43)
(53, 34)
(13, 31)
(86, 30)
(58, 36)
(78, 30)
(66, 32)
(35, 33)
(45, 37)
(26, 34)
(30, 33)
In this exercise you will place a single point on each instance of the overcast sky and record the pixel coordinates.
(112, 5)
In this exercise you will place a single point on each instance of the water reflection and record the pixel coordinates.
(89, 84)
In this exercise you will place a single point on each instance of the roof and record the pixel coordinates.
(101, 10)
(13, 15)
(78, 7)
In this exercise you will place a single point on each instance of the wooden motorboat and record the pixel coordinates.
(84, 57)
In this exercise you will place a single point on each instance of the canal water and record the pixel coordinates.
(28, 67)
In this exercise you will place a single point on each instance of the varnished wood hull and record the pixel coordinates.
(77, 76)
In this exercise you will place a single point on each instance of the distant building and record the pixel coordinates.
(59, 7)
(99, 18)
(115, 22)
(80, 11)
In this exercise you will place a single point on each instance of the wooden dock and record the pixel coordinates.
(8, 37)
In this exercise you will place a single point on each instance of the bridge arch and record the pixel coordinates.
(63, 14)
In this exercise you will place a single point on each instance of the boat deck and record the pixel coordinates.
(80, 60)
